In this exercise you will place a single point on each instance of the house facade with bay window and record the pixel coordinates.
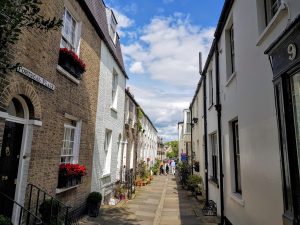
(107, 157)
(48, 110)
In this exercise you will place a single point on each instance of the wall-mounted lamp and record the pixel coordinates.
(195, 120)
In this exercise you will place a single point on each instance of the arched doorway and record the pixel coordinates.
(11, 150)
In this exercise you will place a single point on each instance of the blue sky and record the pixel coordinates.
(160, 43)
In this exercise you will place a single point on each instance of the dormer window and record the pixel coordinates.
(112, 25)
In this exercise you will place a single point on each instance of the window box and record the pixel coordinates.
(66, 182)
(69, 61)
(70, 175)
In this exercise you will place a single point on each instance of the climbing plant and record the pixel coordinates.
(15, 16)
(140, 115)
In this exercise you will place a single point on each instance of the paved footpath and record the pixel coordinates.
(163, 202)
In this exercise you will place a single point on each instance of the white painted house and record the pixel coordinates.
(107, 156)
(253, 112)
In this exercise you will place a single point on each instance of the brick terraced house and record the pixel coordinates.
(49, 106)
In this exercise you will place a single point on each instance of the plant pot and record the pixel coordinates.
(93, 209)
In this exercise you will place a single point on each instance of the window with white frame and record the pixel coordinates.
(232, 53)
(107, 151)
(271, 7)
(114, 90)
(211, 87)
(113, 27)
(214, 157)
(70, 32)
(236, 157)
(68, 150)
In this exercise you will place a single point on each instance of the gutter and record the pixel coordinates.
(219, 114)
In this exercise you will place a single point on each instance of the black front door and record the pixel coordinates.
(9, 162)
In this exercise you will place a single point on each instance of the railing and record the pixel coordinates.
(48, 208)
(76, 214)
(24, 216)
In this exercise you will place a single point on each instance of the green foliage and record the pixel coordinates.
(15, 15)
(94, 197)
(4, 220)
(155, 167)
(50, 210)
(142, 171)
(194, 181)
(140, 116)
(174, 152)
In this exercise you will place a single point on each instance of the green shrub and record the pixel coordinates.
(194, 181)
(50, 210)
(94, 197)
(4, 220)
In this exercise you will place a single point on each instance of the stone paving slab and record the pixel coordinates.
(163, 202)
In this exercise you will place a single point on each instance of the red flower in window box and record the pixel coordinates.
(70, 61)
(70, 174)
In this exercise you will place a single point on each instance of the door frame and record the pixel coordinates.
(25, 153)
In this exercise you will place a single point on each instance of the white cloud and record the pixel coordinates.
(136, 68)
(164, 108)
(168, 49)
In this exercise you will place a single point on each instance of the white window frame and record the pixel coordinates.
(107, 147)
(113, 27)
(114, 95)
(75, 46)
(270, 9)
(211, 88)
(232, 50)
(76, 143)
(214, 154)
(236, 154)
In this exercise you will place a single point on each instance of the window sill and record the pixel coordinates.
(233, 75)
(238, 198)
(210, 106)
(61, 190)
(214, 181)
(282, 8)
(67, 75)
(113, 109)
(105, 175)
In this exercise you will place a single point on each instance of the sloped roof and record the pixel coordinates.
(96, 12)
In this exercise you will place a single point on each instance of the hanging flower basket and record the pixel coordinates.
(71, 62)
(70, 175)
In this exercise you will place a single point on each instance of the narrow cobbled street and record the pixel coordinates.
(163, 202)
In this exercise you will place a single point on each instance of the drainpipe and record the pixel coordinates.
(191, 124)
(205, 138)
(218, 109)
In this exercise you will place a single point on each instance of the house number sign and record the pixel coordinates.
(35, 77)
(292, 51)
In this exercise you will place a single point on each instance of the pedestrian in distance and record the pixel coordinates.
(173, 166)
(167, 169)
(161, 170)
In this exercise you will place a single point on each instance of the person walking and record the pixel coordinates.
(161, 169)
(167, 169)
(173, 166)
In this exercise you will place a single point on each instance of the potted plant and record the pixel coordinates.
(93, 203)
(4, 220)
(70, 61)
(193, 182)
(49, 211)
(70, 175)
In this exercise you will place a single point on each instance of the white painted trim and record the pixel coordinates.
(67, 75)
(113, 109)
(61, 190)
(70, 117)
(4, 115)
(232, 76)
(238, 198)
(35, 122)
(282, 8)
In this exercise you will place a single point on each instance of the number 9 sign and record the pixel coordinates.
(292, 51)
